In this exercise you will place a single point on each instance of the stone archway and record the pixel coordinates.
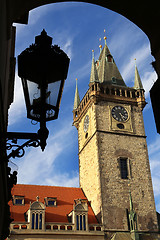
(143, 13)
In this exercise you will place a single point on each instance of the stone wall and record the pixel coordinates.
(100, 170)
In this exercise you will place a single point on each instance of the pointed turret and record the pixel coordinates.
(130, 202)
(76, 98)
(94, 75)
(137, 81)
(132, 219)
(107, 69)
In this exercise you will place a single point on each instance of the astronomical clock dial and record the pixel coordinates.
(119, 113)
(86, 123)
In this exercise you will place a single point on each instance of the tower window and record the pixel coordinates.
(124, 168)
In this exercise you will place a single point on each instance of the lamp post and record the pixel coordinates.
(43, 69)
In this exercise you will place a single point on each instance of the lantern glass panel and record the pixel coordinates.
(52, 98)
(53, 88)
(34, 91)
(34, 98)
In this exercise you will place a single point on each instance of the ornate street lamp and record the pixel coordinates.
(43, 69)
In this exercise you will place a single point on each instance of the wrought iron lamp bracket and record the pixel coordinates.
(17, 150)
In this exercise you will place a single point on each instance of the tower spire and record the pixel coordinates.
(94, 75)
(76, 98)
(137, 80)
(108, 71)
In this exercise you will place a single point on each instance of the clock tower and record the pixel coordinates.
(113, 156)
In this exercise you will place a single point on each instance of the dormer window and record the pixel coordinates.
(114, 80)
(50, 201)
(36, 215)
(80, 214)
(18, 200)
(109, 58)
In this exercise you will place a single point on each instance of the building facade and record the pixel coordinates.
(115, 199)
(47, 212)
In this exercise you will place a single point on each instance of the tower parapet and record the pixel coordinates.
(101, 91)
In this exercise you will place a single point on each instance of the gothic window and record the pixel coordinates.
(36, 215)
(33, 220)
(124, 168)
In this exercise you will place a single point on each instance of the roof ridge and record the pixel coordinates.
(38, 185)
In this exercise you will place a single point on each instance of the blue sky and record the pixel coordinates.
(77, 28)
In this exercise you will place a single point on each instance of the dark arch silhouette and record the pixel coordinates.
(143, 13)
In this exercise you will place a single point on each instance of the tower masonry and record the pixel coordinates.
(113, 149)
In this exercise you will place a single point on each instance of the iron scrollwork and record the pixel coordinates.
(17, 150)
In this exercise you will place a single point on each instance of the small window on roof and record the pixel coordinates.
(50, 201)
(18, 200)
(114, 80)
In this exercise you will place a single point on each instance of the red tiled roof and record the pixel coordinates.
(65, 200)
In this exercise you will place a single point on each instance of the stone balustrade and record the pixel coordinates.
(54, 227)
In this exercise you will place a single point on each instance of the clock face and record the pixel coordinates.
(119, 113)
(86, 123)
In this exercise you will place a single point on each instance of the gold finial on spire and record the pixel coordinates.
(92, 54)
(105, 38)
(100, 46)
(135, 60)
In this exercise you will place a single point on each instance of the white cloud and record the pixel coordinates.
(65, 180)
(154, 153)
(154, 147)
(67, 48)
(18, 108)
(123, 37)
(39, 167)
(128, 69)
(148, 80)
